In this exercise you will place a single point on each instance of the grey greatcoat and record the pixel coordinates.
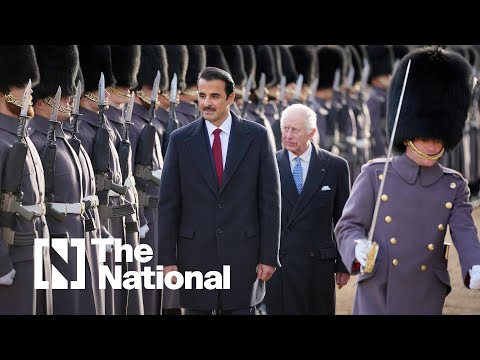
(151, 297)
(93, 226)
(410, 275)
(88, 125)
(67, 189)
(21, 297)
(132, 299)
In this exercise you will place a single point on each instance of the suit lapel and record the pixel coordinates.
(238, 144)
(197, 144)
(317, 170)
(288, 186)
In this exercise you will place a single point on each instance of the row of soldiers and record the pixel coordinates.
(94, 137)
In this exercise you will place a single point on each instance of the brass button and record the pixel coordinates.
(424, 267)
(380, 176)
(384, 197)
(448, 205)
(395, 262)
(393, 241)
(431, 247)
(453, 185)
(441, 227)
(388, 219)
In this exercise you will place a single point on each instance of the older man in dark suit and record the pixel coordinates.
(315, 186)
(220, 202)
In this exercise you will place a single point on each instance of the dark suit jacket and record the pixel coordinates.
(203, 227)
(308, 254)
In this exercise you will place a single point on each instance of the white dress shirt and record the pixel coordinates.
(224, 135)
(304, 161)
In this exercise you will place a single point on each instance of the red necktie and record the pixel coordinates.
(217, 155)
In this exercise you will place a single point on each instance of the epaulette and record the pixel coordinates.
(452, 171)
(377, 161)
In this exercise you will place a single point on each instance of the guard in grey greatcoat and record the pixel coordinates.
(95, 60)
(153, 59)
(18, 64)
(64, 194)
(125, 65)
(420, 198)
(380, 58)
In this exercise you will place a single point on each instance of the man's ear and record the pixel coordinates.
(312, 134)
(231, 98)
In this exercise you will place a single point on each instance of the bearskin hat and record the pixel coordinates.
(380, 58)
(177, 56)
(153, 59)
(125, 64)
(18, 64)
(436, 100)
(95, 59)
(197, 60)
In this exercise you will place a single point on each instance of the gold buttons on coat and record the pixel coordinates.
(424, 267)
(431, 247)
(395, 262)
(384, 197)
(453, 185)
(388, 219)
(441, 227)
(448, 205)
(393, 241)
(380, 176)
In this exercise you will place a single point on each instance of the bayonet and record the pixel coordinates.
(74, 141)
(53, 118)
(173, 90)
(298, 87)
(350, 77)
(365, 74)
(312, 90)
(336, 81)
(156, 86)
(261, 88)
(246, 94)
(26, 99)
(281, 97)
(76, 100)
(101, 90)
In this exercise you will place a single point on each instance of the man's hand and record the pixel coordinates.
(265, 272)
(474, 277)
(8, 279)
(362, 253)
(342, 279)
(167, 269)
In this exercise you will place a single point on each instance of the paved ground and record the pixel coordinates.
(461, 301)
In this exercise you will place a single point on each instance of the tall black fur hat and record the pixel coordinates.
(250, 62)
(304, 58)
(356, 61)
(436, 99)
(58, 66)
(288, 65)
(381, 60)
(197, 60)
(95, 59)
(265, 64)
(216, 58)
(330, 58)
(399, 51)
(153, 59)
(125, 64)
(177, 56)
(234, 56)
(18, 63)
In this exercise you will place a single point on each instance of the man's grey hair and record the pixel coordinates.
(308, 114)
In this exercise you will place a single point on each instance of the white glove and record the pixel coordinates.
(109, 247)
(474, 277)
(8, 279)
(143, 231)
(362, 249)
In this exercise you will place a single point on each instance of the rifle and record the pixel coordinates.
(48, 155)
(261, 95)
(124, 147)
(12, 195)
(101, 153)
(246, 95)
(74, 141)
(172, 116)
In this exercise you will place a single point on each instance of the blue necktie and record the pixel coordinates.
(298, 175)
